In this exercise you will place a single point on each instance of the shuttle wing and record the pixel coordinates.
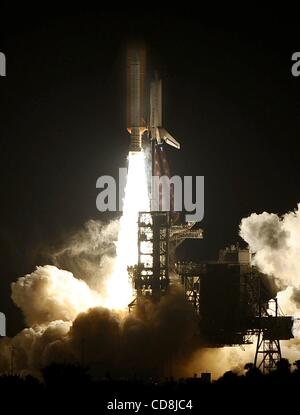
(165, 136)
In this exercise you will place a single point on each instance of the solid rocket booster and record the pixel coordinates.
(136, 58)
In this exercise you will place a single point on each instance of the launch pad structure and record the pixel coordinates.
(233, 301)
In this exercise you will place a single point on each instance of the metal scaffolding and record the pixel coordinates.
(268, 352)
(234, 304)
(151, 276)
(158, 239)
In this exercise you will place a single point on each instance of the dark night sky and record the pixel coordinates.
(230, 99)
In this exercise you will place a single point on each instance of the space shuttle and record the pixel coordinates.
(137, 121)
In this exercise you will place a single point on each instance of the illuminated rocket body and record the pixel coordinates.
(135, 96)
(136, 124)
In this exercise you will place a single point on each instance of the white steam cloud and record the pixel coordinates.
(49, 294)
(90, 253)
(275, 243)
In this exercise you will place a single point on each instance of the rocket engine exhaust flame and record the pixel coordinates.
(119, 287)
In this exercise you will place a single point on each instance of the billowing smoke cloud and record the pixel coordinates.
(90, 253)
(272, 240)
(153, 340)
(50, 294)
(219, 360)
(275, 243)
(68, 324)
